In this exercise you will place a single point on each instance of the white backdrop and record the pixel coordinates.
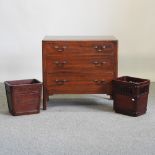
(23, 24)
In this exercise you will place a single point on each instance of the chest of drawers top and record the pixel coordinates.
(79, 38)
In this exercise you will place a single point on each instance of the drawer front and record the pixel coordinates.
(93, 62)
(80, 87)
(78, 76)
(84, 47)
(79, 82)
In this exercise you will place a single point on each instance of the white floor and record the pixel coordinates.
(77, 125)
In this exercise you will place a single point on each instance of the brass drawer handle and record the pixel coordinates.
(97, 63)
(100, 48)
(60, 49)
(61, 82)
(103, 62)
(60, 64)
(99, 82)
(104, 46)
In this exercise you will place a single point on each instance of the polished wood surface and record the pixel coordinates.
(130, 95)
(23, 96)
(78, 65)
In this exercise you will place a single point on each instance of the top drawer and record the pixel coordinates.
(79, 47)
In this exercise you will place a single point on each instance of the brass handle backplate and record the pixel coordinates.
(61, 82)
(60, 49)
(101, 48)
(60, 63)
(98, 63)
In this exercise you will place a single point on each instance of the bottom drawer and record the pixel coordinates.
(71, 87)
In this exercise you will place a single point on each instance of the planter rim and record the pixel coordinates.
(143, 81)
(37, 82)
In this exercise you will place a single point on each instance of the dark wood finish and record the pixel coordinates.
(130, 95)
(23, 96)
(78, 65)
(89, 62)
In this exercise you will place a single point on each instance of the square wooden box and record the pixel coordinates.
(130, 95)
(23, 96)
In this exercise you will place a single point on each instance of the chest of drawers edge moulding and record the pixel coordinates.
(62, 74)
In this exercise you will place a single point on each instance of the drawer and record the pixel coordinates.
(84, 47)
(93, 62)
(79, 82)
(80, 87)
(65, 77)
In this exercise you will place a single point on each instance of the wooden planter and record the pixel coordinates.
(23, 96)
(130, 95)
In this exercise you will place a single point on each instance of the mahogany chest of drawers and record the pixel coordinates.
(78, 65)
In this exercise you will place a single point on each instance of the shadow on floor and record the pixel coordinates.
(97, 103)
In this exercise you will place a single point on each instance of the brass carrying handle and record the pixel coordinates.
(60, 49)
(99, 82)
(59, 63)
(60, 82)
